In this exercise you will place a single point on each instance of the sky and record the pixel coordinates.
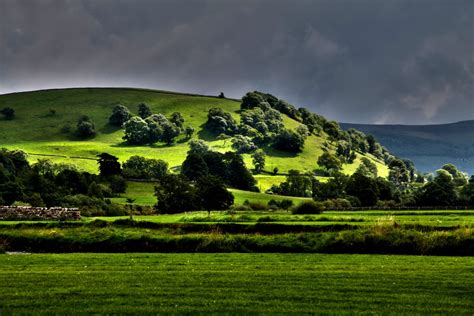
(360, 61)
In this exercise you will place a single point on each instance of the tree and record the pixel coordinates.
(243, 144)
(219, 121)
(194, 166)
(238, 175)
(365, 189)
(189, 131)
(144, 110)
(367, 168)
(440, 192)
(120, 115)
(213, 194)
(170, 132)
(175, 194)
(198, 146)
(329, 162)
(288, 140)
(296, 184)
(459, 177)
(302, 130)
(143, 168)
(136, 131)
(8, 113)
(85, 127)
(333, 130)
(108, 165)
(177, 119)
(251, 100)
(258, 159)
(221, 95)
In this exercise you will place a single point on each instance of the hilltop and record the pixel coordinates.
(429, 146)
(41, 134)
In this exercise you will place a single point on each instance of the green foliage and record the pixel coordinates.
(170, 132)
(144, 110)
(367, 168)
(258, 160)
(329, 162)
(243, 144)
(138, 167)
(175, 194)
(288, 140)
(308, 207)
(120, 115)
(296, 184)
(220, 122)
(189, 131)
(85, 127)
(136, 131)
(213, 194)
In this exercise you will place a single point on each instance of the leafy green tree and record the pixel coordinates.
(177, 119)
(219, 121)
(251, 100)
(297, 184)
(198, 146)
(194, 166)
(365, 189)
(258, 159)
(189, 131)
(440, 192)
(243, 144)
(367, 168)
(213, 194)
(144, 168)
(329, 162)
(8, 113)
(175, 194)
(85, 127)
(170, 132)
(333, 130)
(136, 131)
(459, 177)
(144, 110)
(288, 140)
(238, 175)
(108, 165)
(120, 115)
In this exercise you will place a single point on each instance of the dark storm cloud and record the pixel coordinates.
(352, 60)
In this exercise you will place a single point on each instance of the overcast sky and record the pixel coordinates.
(365, 61)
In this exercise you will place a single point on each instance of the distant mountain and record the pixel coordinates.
(429, 146)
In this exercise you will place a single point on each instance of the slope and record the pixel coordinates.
(429, 146)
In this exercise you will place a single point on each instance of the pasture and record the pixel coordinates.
(235, 283)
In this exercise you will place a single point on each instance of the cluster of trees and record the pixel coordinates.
(149, 128)
(449, 187)
(49, 184)
(205, 174)
(229, 166)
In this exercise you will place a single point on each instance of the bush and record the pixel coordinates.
(256, 206)
(8, 113)
(85, 127)
(120, 114)
(308, 207)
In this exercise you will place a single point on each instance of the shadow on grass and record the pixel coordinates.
(109, 129)
(272, 152)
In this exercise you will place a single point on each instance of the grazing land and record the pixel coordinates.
(235, 283)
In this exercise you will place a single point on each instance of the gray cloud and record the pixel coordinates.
(354, 61)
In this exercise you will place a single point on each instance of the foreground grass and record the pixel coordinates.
(235, 283)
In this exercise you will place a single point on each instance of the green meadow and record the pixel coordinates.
(235, 284)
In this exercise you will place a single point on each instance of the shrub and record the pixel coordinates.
(256, 206)
(8, 113)
(85, 127)
(308, 207)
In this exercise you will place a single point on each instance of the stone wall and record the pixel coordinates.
(38, 213)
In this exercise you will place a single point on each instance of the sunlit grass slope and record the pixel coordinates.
(37, 132)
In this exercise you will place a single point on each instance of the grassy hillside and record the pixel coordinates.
(429, 146)
(39, 133)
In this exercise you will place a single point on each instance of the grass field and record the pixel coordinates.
(235, 283)
(38, 133)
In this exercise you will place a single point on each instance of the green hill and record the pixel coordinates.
(41, 134)
(429, 146)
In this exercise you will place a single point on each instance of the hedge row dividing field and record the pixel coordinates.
(235, 283)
